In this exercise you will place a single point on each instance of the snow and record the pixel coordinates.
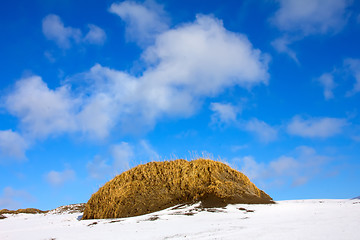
(295, 219)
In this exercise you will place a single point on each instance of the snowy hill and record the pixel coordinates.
(298, 219)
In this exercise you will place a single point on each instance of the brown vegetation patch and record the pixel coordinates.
(26, 210)
(246, 210)
(2, 216)
(214, 210)
(153, 218)
(158, 185)
(92, 224)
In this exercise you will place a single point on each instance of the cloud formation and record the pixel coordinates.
(353, 65)
(295, 170)
(316, 127)
(12, 198)
(143, 21)
(328, 83)
(12, 146)
(224, 113)
(120, 158)
(282, 46)
(42, 111)
(262, 130)
(298, 19)
(311, 16)
(54, 29)
(96, 35)
(183, 68)
(58, 178)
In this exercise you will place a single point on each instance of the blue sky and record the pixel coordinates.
(92, 88)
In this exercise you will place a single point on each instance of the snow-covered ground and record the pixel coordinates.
(297, 219)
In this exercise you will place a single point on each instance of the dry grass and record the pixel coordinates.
(158, 185)
(26, 210)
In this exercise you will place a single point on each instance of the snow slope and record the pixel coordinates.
(297, 219)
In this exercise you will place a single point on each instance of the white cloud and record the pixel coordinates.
(261, 129)
(12, 145)
(327, 81)
(97, 115)
(311, 16)
(354, 66)
(183, 69)
(13, 199)
(53, 28)
(282, 46)
(251, 168)
(224, 113)
(316, 127)
(284, 166)
(143, 21)
(96, 35)
(298, 19)
(57, 178)
(294, 170)
(120, 158)
(42, 111)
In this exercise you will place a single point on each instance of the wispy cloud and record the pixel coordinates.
(293, 170)
(13, 198)
(328, 83)
(311, 16)
(349, 71)
(353, 65)
(263, 131)
(54, 29)
(58, 178)
(226, 114)
(282, 46)
(12, 146)
(143, 21)
(223, 113)
(299, 19)
(316, 127)
(120, 158)
(96, 35)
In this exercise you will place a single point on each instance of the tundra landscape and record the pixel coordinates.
(164, 119)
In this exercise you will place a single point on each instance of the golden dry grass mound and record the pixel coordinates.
(158, 185)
